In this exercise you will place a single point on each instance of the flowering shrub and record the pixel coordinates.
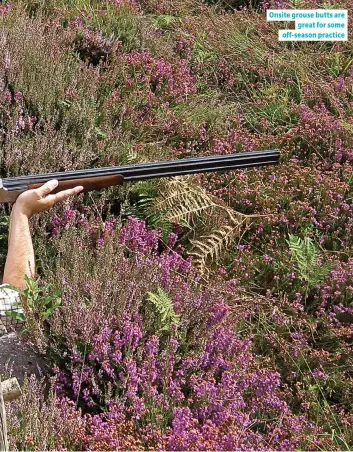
(200, 387)
(253, 357)
(64, 428)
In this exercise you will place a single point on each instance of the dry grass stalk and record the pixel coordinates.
(3, 429)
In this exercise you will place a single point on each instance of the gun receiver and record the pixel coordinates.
(98, 178)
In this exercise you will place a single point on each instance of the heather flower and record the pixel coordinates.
(258, 361)
(175, 392)
(136, 236)
(5, 9)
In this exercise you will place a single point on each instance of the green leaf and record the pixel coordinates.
(100, 133)
(165, 310)
(305, 255)
(38, 299)
(65, 103)
(164, 20)
(15, 315)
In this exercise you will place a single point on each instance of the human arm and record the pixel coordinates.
(20, 257)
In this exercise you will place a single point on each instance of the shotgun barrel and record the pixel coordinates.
(96, 178)
(151, 170)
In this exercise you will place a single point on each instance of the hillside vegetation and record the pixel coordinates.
(210, 312)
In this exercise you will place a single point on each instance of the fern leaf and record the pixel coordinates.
(305, 255)
(183, 200)
(213, 244)
(165, 310)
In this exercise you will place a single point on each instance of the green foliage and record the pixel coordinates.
(38, 301)
(117, 23)
(140, 207)
(202, 50)
(207, 110)
(166, 21)
(166, 318)
(306, 258)
(273, 106)
(140, 204)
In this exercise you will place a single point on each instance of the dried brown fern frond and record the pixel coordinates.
(209, 247)
(183, 199)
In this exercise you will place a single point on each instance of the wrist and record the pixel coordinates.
(19, 211)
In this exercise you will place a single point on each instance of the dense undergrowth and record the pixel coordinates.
(211, 312)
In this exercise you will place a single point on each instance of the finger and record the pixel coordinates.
(62, 195)
(47, 188)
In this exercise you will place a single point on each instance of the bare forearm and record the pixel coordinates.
(20, 257)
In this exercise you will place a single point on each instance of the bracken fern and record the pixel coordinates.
(164, 308)
(305, 255)
(210, 247)
(183, 201)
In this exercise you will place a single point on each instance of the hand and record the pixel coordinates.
(31, 202)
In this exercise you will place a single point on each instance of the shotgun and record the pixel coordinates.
(98, 178)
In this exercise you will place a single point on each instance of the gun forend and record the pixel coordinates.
(88, 183)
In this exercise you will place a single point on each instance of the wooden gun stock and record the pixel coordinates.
(88, 183)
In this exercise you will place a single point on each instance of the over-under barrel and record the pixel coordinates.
(142, 171)
(98, 178)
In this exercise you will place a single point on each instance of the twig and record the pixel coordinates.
(4, 445)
